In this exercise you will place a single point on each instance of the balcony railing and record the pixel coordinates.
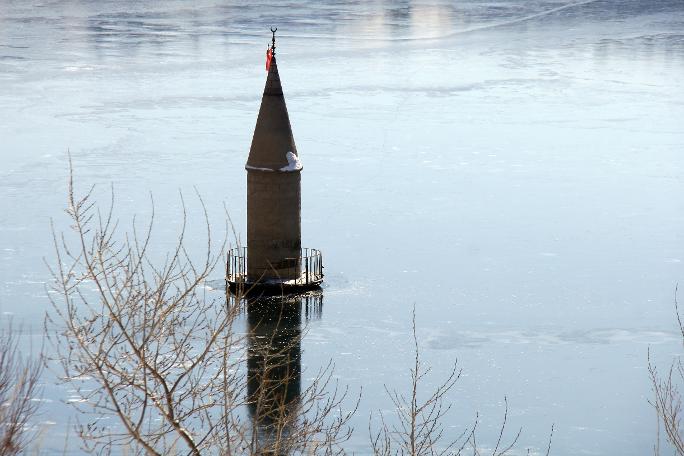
(311, 261)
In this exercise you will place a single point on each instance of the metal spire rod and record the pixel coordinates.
(273, 47)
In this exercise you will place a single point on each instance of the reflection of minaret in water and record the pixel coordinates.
(274, 364)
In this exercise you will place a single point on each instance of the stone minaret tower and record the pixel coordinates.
(273, 190)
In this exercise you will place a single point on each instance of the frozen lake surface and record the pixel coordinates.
(514, 169)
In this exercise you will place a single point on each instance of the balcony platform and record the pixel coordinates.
(310, 262)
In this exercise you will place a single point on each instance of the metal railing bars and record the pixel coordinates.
(310, 264)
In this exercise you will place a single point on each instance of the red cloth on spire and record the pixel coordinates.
(269, 56)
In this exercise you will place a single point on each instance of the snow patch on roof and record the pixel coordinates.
(293, 163)
(256, 168)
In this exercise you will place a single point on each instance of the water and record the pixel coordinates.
(511, 169)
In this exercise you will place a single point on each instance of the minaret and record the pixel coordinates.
(274, 230)
(274, 256)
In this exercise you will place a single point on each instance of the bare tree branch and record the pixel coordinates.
(18, 387)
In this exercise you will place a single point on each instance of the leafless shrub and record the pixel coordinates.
(140, 341)
(667, 399)
(144, 331)
(420, 423)
(18, 386)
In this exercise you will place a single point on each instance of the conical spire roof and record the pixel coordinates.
(273, 147)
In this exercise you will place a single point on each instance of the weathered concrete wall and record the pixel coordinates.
(274, 228)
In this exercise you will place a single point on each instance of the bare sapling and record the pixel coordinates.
(141, 341)
(159, 367)
(418, 424)
(667, 396)
(19, 386)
